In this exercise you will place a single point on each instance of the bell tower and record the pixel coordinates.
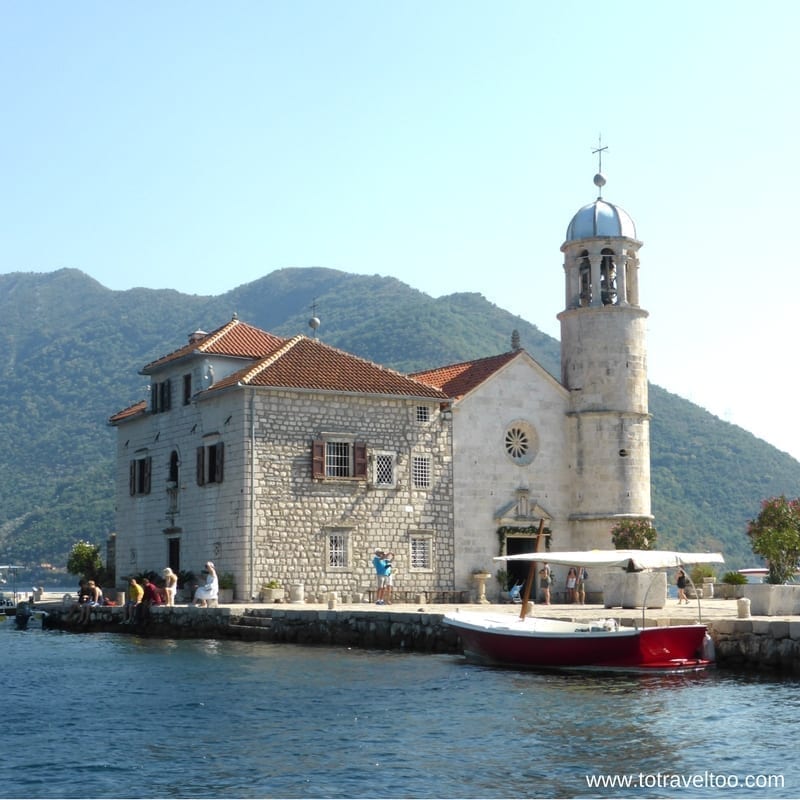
(604, 367)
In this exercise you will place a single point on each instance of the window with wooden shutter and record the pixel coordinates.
(318, 459)
(201, 466)
(140, 475)
(360, 460)
(217, 458)
(147, 470)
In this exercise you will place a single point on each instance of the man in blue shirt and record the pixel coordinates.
(382, 571)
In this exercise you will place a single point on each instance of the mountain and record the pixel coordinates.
(73, 350)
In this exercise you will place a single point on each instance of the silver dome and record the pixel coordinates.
(601, 219)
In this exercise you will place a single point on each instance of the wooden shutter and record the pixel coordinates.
(166, 401)
(318, 459)
(360, 460)
(148, 470)
(154, 398)
(132, 478)
(201, 464)
(220, 453)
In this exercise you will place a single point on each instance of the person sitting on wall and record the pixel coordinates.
(94, 598)
(210, 590)
(133, 605)
(150, 598)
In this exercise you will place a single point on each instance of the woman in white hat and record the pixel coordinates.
(170, 586)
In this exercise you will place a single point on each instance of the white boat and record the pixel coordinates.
(531, 642)
(8, 599)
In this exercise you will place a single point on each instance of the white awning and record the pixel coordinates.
(637, 559)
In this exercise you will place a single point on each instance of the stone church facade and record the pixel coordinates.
(287, 460)
(291, 460)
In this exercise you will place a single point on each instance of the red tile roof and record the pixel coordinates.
(127, 413)
(303, 363)
(456, 380)
(237, 339)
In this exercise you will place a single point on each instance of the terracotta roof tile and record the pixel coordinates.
(127, 413)
(237, 339)
(456, 380)
(303, 363)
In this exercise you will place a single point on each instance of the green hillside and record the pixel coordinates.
(73, 350)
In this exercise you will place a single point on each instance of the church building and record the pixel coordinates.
(291, 460)
(575, 454)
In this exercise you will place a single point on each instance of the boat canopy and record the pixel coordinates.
(635, 559)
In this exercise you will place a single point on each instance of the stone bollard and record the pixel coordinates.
(743, 608)
(331, 600)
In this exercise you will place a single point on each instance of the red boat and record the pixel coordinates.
(531, 642)
(522, 641)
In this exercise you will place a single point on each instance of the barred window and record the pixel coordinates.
(423, 414)
(421, 552)
(421, 472)
(338, 549)
(337, 459)
(383, 474)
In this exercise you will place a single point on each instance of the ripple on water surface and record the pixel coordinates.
(118, 716)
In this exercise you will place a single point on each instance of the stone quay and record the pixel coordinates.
(756, 643)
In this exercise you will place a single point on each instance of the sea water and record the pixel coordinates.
(114, 715)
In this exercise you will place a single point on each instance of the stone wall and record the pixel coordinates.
(754, 644)
(757, 643)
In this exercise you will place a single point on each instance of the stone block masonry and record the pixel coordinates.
(756, 644)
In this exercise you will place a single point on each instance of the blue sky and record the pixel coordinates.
(201, 145)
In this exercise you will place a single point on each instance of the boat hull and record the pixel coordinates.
(549, 644)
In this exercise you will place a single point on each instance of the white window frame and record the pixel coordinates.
(420, 459)
(423, 414)
(333, 444)
(344, 535)
(382, 455)
(423, 540)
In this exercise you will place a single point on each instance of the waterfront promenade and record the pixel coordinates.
(758, 643)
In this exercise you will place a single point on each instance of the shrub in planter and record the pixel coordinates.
(734, 579)
(271, 592)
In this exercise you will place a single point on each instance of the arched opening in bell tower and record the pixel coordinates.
(585, 273)
(608, 277)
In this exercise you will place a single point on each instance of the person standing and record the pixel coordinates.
(387, 594)
(381, 566)
(210, 591)
(170, 586)
(680, 582)
(583, 575)
(545, 578)
(572, 585)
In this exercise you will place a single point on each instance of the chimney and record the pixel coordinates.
(196, 336)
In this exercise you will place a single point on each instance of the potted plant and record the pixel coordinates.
(731, 586)
(271, 592)
(226, 587)
(186, 583)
